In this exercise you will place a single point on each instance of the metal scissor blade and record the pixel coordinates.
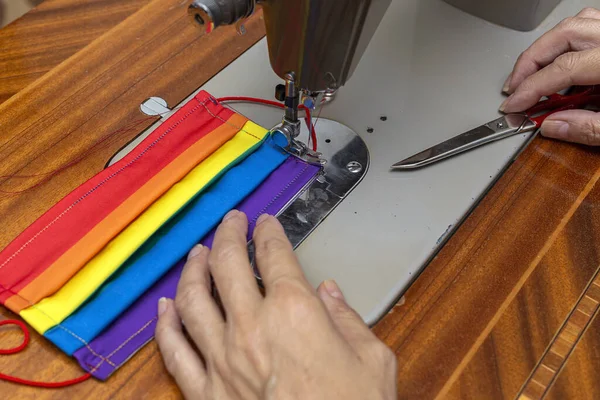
(500, 128)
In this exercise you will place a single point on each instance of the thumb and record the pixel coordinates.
(347, 321)
(578, 126)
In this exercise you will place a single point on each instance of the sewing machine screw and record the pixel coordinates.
(500, 125)
(354, 167)
(383, 118)
(370, 130)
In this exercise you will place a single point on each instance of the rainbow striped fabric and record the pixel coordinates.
(86, 273)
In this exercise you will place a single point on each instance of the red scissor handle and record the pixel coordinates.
(579, 97)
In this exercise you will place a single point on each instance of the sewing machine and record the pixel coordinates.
(315, 56)
(412, 88)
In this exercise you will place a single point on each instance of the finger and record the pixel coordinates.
(180, 359)
(347, 321)
(572, 34)
(579, 126)
(196, 306)
(231, 268)
(589, 12)
(568, 70)
(275, 256)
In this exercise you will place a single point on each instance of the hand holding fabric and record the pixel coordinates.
(292, 343)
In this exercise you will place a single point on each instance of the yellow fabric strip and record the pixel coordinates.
(54, 309)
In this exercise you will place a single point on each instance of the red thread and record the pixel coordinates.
(23, 328)
(20, 347)
(272, 103)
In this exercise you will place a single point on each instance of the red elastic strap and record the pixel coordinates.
(23, 328)
(307, 119)
(20, 347)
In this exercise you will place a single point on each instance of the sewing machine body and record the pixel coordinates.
(431, 71)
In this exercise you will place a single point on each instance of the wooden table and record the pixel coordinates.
(507, 307)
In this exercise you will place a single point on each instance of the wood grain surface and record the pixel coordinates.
(481, 315)
(508, 307)
(51, 33)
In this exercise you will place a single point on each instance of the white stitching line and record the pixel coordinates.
(57, 324)
(280, 193)
(121, 346)
(87, 345)
(115, 351)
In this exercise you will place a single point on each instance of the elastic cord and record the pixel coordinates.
(272, 103)
(17, 349)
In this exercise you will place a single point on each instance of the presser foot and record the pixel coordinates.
(295, 147)
(300, 150)
(345, 160)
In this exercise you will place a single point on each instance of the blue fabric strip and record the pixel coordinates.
(164, 249)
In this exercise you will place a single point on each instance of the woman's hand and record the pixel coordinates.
(567, 55)
(292, 343)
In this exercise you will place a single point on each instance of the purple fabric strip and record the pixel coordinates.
(132, 330)
(275, 193)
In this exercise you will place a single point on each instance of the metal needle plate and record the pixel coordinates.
(347, 164)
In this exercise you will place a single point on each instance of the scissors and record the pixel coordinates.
(503, 127)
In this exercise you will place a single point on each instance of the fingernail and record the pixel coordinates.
(506, 86)
(506, 103)
(262, 219)
(555, 129)
(230, 214)
(333, 289)
(162, 305)
(195, 251)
